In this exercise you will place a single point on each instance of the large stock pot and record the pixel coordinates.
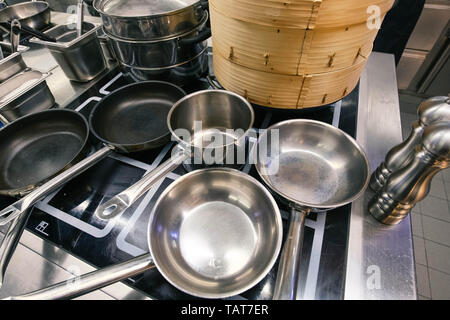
(144, 20)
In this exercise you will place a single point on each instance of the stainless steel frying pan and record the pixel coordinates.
(216, 112)
(214, 233)
(315, 167)
(33, 14)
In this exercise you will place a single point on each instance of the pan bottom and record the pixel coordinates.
(217, 240)
(40, 158)
(307, 177)
(137, 123)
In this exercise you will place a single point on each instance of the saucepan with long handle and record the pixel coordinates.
(210, 127)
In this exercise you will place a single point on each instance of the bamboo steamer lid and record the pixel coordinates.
(290, 51)
(286, 91)
(305, 14)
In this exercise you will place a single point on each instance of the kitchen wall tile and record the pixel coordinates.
(416, 219)
(436, 230)
(438, 189)
(419, 251)
(423, 282)
(439, 284)
(438, 256)
(436, 208)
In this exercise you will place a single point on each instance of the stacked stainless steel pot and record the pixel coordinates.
(155, 39)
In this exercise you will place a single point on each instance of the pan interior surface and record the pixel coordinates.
(211, 117)
(315, 165)
(135, 114)
(39, 146)
(22, 11)
(215, 233)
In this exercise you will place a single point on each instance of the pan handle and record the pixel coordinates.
(76, 287)
(10, 242)
(13, 211)
(121, 202)
(288, 269)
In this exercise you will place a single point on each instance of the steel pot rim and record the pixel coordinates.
(200, 25)
(158, 15)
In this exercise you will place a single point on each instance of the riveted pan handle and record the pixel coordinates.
(92, 281)
(289, 266)
(13, 211)
(121, 202)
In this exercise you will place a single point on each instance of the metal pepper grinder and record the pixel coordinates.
(430, 111)
(406, 187)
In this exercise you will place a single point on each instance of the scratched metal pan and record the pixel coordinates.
(314, 167)
(214, 233)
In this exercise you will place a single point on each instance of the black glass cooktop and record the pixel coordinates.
(66, 218)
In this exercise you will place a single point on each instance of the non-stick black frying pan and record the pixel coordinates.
(130, 119)
(35, 149)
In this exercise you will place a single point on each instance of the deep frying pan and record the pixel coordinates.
(36, 148)
(214, 233)
(130, 119)
(314, 167)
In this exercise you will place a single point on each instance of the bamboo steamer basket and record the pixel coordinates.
(286, 91)
(290, 51)
(304, 14)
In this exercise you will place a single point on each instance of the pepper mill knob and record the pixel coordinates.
(406, 187)
(430, 111)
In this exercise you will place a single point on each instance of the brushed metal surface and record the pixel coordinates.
(380, 261)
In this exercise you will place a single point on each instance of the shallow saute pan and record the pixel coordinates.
(214, 233)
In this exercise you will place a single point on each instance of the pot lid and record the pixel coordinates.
(136, 8)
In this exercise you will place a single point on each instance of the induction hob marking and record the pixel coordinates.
(103, 89)
(84, 104)
(41, 227)
(121, 241)
(77, 223)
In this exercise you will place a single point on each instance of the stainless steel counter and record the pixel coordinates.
(380, 259)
